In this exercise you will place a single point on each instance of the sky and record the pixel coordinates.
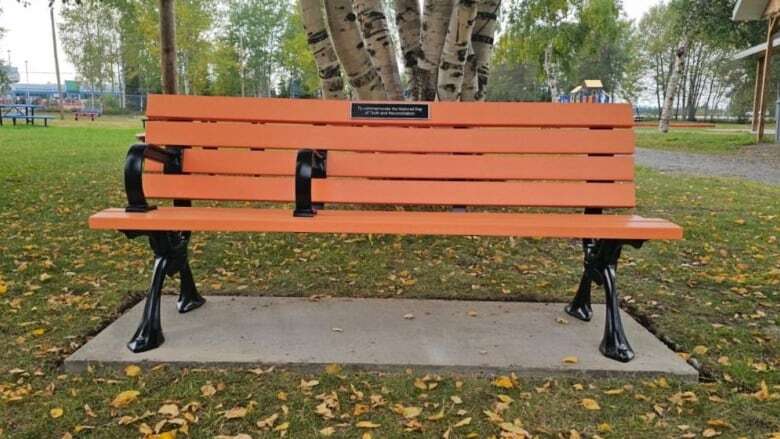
(28, 38)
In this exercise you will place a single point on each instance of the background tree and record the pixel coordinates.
(4, 81)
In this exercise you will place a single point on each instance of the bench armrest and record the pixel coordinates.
(309, 164)
(134, 168)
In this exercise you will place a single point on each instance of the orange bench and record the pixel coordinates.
(492, 157)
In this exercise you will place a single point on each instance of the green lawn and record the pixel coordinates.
(708, 141)
(714, 297)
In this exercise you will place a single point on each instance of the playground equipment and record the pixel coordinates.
(591, 90)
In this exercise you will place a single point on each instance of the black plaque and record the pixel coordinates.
(362, 110)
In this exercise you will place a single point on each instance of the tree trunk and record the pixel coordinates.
(373, 23)
(320, 45)
(470, 84)
(351, 50)
(482, 44)
(436, 20)
(407, 19)
(671, 91)
(168, 45)
(456, 49)
(551, 70)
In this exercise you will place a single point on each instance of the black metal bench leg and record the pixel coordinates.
(189, 298)
(580, 307)
(149, 333)
(615, 344)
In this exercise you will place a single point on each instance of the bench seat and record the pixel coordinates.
(542, 225)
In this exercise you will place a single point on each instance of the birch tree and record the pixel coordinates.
(351, 50)
(365, 46)
(379, 43)
(321, 47)
(455, 50)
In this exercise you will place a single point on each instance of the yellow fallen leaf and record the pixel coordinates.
(170, 410)
(506, 399)
(282, 427)
(493, 416)
(437, 416)
(710, 432)
(574, 434)
(360, 409)
(3, 288)
(617, 391)
(167, 435)
(236, 412)
(56, 412)
(512, 428)
(462, 422)
(281, 396)
(570, 360)
(763, 392)
(333, 369)
(207, 390)
(327, 431)
(700, 350)
(590, 404)
(504, 382)
(125, 398)
(604, 428)
(38, 332)
(366, 435)
(367, 424)
(456, 399)
(718, 423)
(268, 422)
(411, 412)
(132, 371)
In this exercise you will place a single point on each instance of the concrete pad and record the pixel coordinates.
(373, 334)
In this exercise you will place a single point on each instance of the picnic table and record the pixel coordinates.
(22, 111)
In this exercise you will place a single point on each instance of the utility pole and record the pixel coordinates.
(27, 71)
(57, 63)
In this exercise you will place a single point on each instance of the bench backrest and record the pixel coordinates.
(479, 154)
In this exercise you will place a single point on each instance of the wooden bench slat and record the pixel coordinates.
(392, 139)
(412, 166)
(400, 192)
(527, 114)
(405, 223)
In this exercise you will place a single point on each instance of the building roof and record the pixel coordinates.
(750, 10)
(757, 50)
(593, 83)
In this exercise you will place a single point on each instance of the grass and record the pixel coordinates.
(714, 297)
(705, 141)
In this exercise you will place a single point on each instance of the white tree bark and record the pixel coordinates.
(351, 50)
(674, 82)
(408, 20)
(551, 70)
(470, 85)
(436, 19)
(320, 45)
(379, 43)
(482, 43)
(455, 50)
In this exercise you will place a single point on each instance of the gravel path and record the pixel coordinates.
(759, 163)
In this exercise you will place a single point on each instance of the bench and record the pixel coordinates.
(91, 113)
(29, 120)
(472, 165)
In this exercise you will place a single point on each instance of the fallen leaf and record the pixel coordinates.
(504, 382)
(56, 412)
(700, 350)
(170, 410)
(411, 412)
(456, 399)
(409, 316)
(367, 424)
(282, 427)
(710, 432)
(38, 332)
(236, 412)
(125, 398)
(268, 422)
(570, 360)
(462, 422)
(333, 369)
(590, 404)
(167, 435)
(207, 390)
(437, 417)
(132, 371)
(327, 431)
